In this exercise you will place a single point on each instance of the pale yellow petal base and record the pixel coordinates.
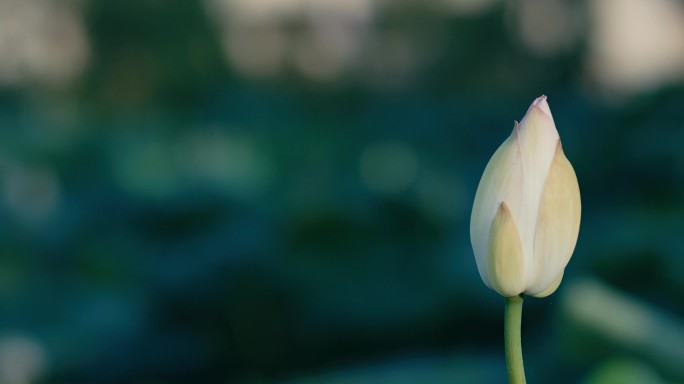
(506, 266)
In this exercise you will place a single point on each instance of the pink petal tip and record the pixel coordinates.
(541, 103)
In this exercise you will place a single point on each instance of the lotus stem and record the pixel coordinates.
(512, 344)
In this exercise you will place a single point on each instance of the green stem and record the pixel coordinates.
(512, 321)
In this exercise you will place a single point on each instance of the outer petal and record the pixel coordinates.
(551, 288)
(538, 139)
(557, 225)
(501, 181)
(506, 264)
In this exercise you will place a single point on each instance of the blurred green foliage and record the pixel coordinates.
(168, 218)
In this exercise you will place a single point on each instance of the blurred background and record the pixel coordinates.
(279, 191)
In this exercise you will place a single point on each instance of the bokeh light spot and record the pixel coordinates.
(636, 45)
(22, 360)
(41, 42)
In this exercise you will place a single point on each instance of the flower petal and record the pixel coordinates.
(506, 263)
(557, 224)
(551, 288)
(501, 181)
(538, 139)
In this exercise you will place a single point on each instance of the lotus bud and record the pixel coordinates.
(527, 208)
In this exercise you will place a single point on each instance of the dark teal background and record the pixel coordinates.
(168, 216)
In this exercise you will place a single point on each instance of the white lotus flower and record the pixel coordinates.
(526, 213)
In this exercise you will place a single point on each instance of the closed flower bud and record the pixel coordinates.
(526, 213)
